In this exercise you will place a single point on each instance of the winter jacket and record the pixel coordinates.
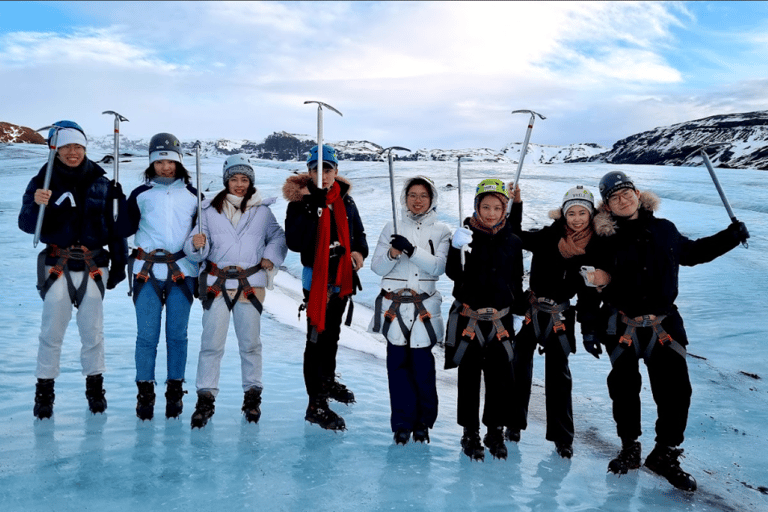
(493, 272)
(80, 212)
(644, 258)
(257, 236)
(418, 272)
(301, 220)
(161, 216)
(557, 278)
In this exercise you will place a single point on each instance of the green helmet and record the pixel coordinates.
(491, 185)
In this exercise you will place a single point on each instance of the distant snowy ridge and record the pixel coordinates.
(745, 139)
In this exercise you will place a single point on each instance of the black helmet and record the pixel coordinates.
(613, 181)
(164, 146)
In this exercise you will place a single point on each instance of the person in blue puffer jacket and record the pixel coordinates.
(161, 213)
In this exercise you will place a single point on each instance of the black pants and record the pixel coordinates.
(320, 355)
(412, 387)
(557, 383)
(491, 362)
(670, 386)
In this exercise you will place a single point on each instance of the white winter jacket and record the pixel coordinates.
(165, 214)
(419, 272)
(257, 236)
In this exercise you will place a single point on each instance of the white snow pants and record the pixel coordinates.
(215, 326)
(57, 312)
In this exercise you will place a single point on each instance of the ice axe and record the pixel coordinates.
(320, 106)
(716, 181)
(465, 248)
(52, 143)
(116, 154)
(392, 181)
(199, 191)
(524, 149)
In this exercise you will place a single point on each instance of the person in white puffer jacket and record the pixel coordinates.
(408, 308)
(240, 242)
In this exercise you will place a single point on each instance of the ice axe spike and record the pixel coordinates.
(320, 106)
(116, 154)
(392, 181)
(52, 144)
(710, 168)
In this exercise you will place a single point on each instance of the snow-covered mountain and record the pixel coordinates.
(744, 139)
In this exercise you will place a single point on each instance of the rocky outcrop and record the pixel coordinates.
(19, 134)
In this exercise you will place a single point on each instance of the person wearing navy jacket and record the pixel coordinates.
(85, 253)
(162, 212)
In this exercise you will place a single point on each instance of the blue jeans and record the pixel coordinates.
(149, 312)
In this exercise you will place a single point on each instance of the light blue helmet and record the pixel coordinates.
(238, 164)
(329, 155)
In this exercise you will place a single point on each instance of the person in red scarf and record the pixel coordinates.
(324, 226)
(559, 251)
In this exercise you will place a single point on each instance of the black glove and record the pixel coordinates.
(738, 231)
(400, 243)
(317, 197)
(116, 275)
(117, 190)
(592, 345)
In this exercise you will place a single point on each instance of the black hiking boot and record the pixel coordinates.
(173, 398)
(421, 433)
(565, 450)
(251, 403)
(145, 400)
(204, 409)
(512, 434)
(402, 436)
(663, 461)
(44, 397)
(94, 392)
(319, 414)
(628, 458)
(339, 392)
(470, 443)
(494, 440)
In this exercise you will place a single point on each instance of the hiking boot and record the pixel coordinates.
(565, 450)
(145, 400)
(470, 443)
(663, 461)
(421, 433)
(628, 458)
(173, 398)
(204, 409)
(251, 403)
(512, 434)
(339, 392)
(402, 436)
(44, 397)
(319, 414)
(94, 392)
(494, 440)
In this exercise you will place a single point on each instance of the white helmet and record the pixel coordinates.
(578, 196)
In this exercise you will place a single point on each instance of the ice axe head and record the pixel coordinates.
(533, 114)
(118, 117)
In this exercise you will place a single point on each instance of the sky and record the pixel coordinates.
(422, 75)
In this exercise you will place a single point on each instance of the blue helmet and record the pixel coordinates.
(329, 155)
(63, 124)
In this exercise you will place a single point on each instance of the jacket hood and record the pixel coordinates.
(605, 223)
(404, 212)
(296, 186)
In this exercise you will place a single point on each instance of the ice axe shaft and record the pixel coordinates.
(524, 149)
(392, 182)
(199, 191)
(116, 155)
(46, 180)
(462, 251)
(719, 188)
(320, 106)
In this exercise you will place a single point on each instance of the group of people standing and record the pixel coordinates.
(615, 258)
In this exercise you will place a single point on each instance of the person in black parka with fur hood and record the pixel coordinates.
(324, 226)
(644, 254)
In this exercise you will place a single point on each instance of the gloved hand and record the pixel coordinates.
(592, 345)
(461, 237)
(738, 231)
(116, 275)
(400, 243)
(317, 197)
(117, 190)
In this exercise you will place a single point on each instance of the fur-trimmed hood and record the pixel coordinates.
(605, 223)
(295, 187)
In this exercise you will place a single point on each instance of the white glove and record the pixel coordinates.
(461, 238)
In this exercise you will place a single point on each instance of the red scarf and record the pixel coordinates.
(318, 293)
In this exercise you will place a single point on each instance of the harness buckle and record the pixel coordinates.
(665, 339)
(559, 326)
(503, 334)
(94, 273)
(56, 270)
(177, 277)
(470, 335)
(389, 315)
(424, 315)
(625, 340)
(142, 276)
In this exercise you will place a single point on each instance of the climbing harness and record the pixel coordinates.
(209, 293)
(176, 276)
(556, 322)
(76, 253)
(471, 331)
(630, 339)
(403, 296)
